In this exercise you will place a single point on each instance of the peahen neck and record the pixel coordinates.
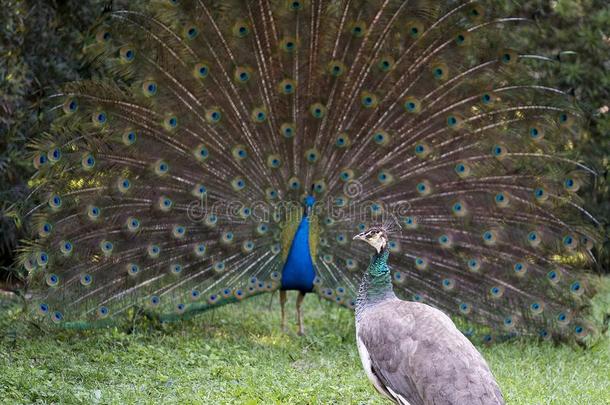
(376, 285)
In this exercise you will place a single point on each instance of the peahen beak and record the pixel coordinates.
(360, 236)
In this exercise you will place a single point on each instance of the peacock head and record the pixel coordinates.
(310, 201)
(375, 236)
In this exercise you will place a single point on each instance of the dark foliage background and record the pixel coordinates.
(577, 32)
(41, 48)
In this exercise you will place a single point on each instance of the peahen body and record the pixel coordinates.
(413, 353)
(229, 148)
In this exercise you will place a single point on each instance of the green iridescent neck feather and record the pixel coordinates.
(376, 285)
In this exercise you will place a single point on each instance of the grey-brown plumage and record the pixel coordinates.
(411, 352)
(417, 354)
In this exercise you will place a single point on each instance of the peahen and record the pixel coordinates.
(413, 353)
(230, 148)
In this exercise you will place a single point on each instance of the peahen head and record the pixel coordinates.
(376, 236)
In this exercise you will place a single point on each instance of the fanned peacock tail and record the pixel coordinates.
(175, 183)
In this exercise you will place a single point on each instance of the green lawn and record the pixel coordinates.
(237, 354)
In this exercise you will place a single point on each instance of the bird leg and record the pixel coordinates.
(300, 313)
(282, 302)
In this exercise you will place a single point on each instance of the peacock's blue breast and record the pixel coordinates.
(298, 272)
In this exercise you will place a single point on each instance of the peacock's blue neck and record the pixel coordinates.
(376, 285)
(298, 272)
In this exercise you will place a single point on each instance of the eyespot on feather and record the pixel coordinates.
(357, 28)
(317, 110)
(381, 137)
(336, 68)
(190, 32)
(201, 70)
(70, 106)
(242, 74)
(440, 71)
(241, 29)
(369, 100)
(288, 44)
(259, 115)
(287, 87)
(170, 122)
(103, 35)
(239, 152)
(386, 63)
(462, 169)
(508, 57)
(127, 54)
(424, 188)
(213, 115)
(99, 118)
(149, 88)
(412, 105)
(475, 12)
(343, 140)
(455, 121)
(463, 39)
(414, 28)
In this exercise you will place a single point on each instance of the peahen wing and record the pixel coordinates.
(171, 183)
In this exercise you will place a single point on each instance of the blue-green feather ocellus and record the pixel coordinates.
(180, 179)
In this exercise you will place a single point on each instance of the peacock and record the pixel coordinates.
(231, 148)
(413, 353)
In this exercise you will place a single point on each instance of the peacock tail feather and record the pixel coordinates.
(175, 182)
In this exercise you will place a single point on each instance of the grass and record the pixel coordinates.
(237, 354)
